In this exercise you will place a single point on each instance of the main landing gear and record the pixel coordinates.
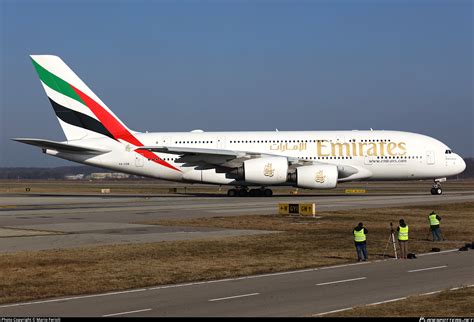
(245, 192)
(436, 189)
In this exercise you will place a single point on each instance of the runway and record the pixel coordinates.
(38, 222)
(311, 292)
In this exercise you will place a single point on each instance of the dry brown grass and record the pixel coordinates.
(457, 225)
(457, 303)
(302, 243)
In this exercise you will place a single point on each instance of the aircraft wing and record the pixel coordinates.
(213, 157)
(220, 158)
(190, 151)
(205, 158)
(61, 146)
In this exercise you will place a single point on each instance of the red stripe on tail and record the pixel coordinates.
(117, 129)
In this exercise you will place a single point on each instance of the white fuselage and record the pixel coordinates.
(377, 155)
(309, 159)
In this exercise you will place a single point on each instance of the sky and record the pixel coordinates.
(244, 66)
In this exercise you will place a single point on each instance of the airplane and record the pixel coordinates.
(306, 159)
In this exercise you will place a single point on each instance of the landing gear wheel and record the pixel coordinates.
(267, 192)
(436, 189)
(243, 193)
(231, 193)
(255, 193)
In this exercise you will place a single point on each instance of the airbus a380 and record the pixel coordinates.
(307, 159)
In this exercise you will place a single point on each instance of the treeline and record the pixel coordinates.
(60, 172)
(469, 172)
(47, 173)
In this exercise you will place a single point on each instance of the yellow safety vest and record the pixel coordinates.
(403, 233)
(359, 236)
(433, 220)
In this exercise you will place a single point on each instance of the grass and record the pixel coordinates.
(456, 224)
(445, 304)
(301, 243)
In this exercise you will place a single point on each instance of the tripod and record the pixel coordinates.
(430, 233)
(391, 238)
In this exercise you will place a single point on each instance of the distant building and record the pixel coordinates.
(79, 176)
(108, 175)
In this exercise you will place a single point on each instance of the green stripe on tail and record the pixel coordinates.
(56, 83)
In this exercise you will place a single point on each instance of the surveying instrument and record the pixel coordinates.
(430, 233)
(391, 238)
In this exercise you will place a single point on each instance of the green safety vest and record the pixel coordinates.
(403, 233)
(433, 220)
(359, 236)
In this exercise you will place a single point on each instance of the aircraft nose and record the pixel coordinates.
(462, 164)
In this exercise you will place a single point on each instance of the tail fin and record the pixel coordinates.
(80, 112)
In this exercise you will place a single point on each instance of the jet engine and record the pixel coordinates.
(321, 176)
(270, 170)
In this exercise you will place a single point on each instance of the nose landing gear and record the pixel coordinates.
(436, 189)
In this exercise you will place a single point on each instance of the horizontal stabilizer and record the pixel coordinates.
(61, 146)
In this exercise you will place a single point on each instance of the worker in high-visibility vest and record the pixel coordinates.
(434, 225)
(360, 241)
(403, 238)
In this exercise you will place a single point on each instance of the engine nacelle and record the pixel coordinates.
(323, 176)
(271, 170)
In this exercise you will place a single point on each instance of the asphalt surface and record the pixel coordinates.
(298, 293)
(39, 222)
(36, 222)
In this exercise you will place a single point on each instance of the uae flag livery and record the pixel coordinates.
(81, 113)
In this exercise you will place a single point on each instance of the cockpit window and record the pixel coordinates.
(448, 152)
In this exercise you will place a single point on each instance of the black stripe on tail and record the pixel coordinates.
(78, 119)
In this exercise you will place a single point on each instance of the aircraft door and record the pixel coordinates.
(220, 143)
(166, 141)
(430, 157)
(339, 139)
(139, 161)
(368, 160)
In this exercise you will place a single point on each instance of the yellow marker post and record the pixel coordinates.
(283, 209)
(356, 191)
(308, 209)
(302, 209)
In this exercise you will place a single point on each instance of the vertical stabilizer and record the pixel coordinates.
(80, 112)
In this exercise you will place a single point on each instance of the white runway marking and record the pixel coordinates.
(388, 301)
(124, 313)
(335, 311)
(441, 252)
(342, 281)
(233, 297)
(427, 269)
(73, 298)
(430, 293)
(458, 288)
